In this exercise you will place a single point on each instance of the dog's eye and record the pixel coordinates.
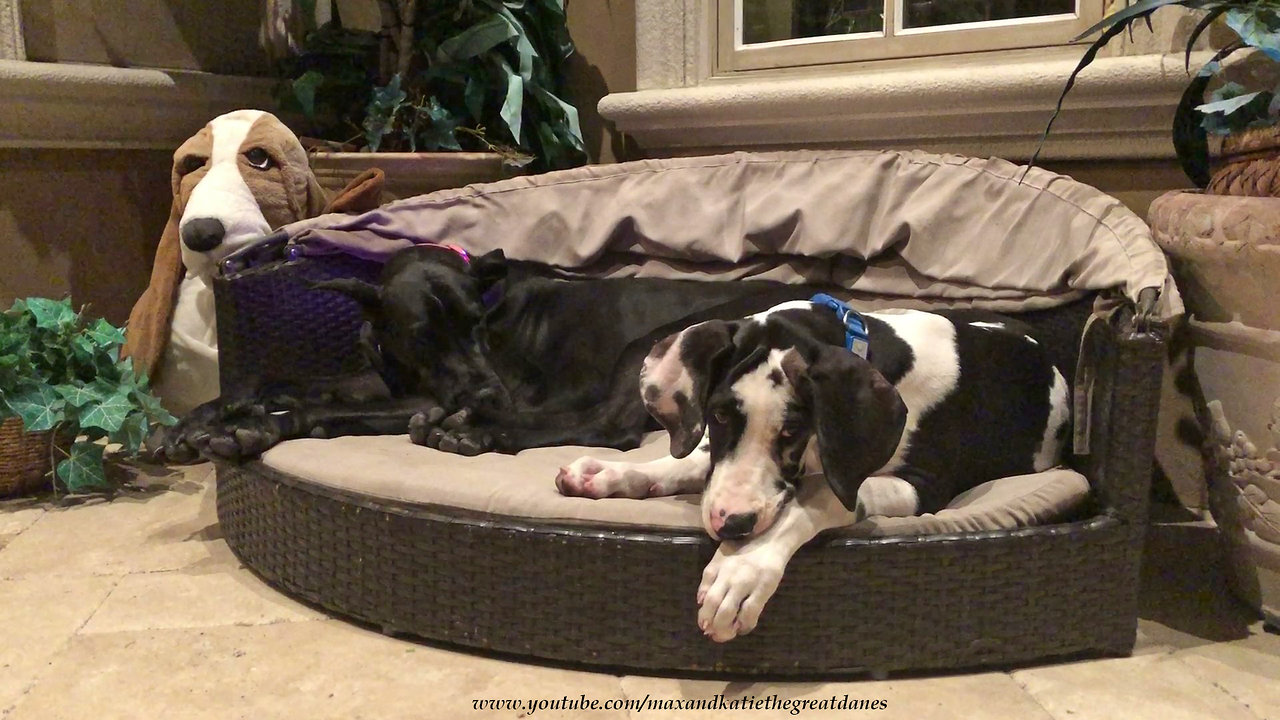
(720, 417)
(786, 432)
(258, 158)
(191, 163)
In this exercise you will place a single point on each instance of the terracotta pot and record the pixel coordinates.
(1249, 164)
(1225, 253)
(410, 174)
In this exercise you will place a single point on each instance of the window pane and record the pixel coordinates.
(770, 20)
(928, 13)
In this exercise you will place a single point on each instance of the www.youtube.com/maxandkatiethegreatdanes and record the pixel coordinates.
(793, 706)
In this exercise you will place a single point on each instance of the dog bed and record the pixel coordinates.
(480, 552)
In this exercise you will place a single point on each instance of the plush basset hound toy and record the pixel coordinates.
(241, 176)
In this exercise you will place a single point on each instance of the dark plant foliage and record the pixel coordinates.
(1257, 26)
(479, 75)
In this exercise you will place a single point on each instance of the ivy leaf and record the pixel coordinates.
(77, 396)
(381, 112)
(132, 432)
(1257, 27)
(304, 91)
(109, 414)
(104, 334)
(82, 470)
(51, 314)
(439, 126)
(39, 407)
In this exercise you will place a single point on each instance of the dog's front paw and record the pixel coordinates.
(452, 434)
(735, 586)
(241, 435)
(591, 478)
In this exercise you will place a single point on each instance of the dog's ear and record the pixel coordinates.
(317, 200)
(362, 194)
(367, 294)
(151, 318)
(489, 268)
(678, 375)
(858, 415)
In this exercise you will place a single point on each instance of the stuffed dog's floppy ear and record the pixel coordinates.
(362, 194)
(677, 378)
(152, 314)
(858, 415)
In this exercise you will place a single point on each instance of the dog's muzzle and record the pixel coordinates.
(203, 234)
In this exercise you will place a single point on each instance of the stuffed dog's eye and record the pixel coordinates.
(258, 158)
(191, 163)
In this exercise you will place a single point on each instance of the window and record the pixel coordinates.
(756, 34)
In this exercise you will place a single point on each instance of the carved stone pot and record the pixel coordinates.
(1225, 252)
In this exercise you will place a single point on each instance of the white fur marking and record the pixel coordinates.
(934, 374)
(888, 496)
(987, 325)
(1049, 453)
(1030, 339)
(763, 316)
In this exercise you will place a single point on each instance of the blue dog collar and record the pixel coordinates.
(856, 340)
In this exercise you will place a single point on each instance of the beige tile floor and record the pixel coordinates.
(136, 609)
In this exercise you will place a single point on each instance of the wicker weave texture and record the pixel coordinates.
(24, 458)
(272, 327)
(606, 597)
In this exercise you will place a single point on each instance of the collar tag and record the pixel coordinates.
(856, 339)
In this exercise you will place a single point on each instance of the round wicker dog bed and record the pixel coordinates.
(624, 597)
(618, 596)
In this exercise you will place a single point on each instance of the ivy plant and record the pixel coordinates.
(61, 371)
(443, 75)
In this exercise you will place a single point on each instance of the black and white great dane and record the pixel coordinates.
(901, 410)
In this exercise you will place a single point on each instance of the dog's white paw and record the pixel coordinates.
(735, 586)
(591, 478)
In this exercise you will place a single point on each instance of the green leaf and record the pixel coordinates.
(82, 470)
(1256, 25)
(77, 396)
(39, 407)
(304, 91)
(109, 414)
(477, 39)
(132, 432)
(512, 111)
(381, 113)
(104, 334)
(52, 314)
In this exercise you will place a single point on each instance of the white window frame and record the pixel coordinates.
(898, 42)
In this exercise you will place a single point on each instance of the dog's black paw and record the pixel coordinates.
(451, 434)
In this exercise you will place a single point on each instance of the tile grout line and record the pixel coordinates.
(1030, 695)
(63, 649)
(1217, 686)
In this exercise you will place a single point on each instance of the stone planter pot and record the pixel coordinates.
(1225, 252)
(410, 174)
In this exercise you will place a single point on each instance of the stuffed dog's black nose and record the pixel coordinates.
(737, 526)
(203, 234)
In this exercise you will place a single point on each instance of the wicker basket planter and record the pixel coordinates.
(1249, 164)
(1226, 256)
(24, 458)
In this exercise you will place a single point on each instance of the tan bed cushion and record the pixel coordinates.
(523, 485)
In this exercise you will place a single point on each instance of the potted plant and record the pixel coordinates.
(63, 390)
(1224, 246)
(456, 76)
